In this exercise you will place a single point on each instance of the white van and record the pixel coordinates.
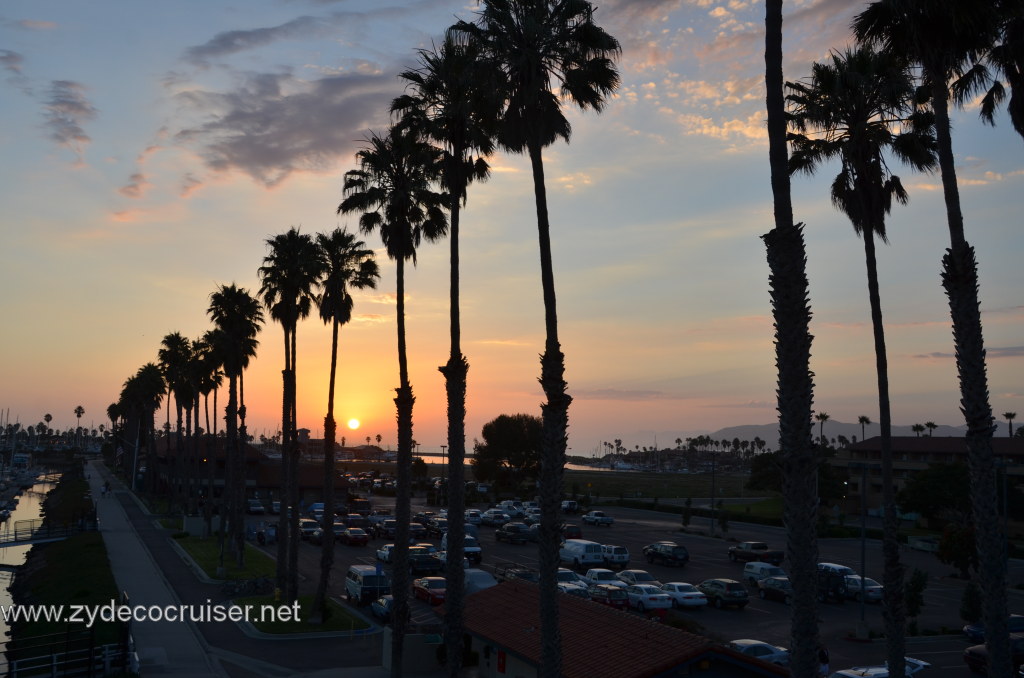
(581, 554)
(756, 571)
(470, 548)
(366, 583)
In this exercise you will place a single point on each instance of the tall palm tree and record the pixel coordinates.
(787, 261)
(858, 107)
(1008, 416)
(543, 48)
(863, 420)
(79, 411)
(393, 191)
(140, 399)
(931, 426)
(822, 417)
(237, 317)
(174, 355)
(210, 362)
(289, 276)
(1003, 59)
(347, 264)
(451, 101)
(49, 417)
(944, 38)
(918, 429)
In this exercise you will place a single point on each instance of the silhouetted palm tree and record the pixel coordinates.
(237, 317)
(821, 417)
(944, 38)
(288, 277)
(393, 190)
(863, 420)
(174, 355)
(1003, 59)
(858, 107)
(787, 261)
(931, 426)
(1008, 416)
(451, 101)
(140, 399)
(346, 264)
(918, 429)
(542, 48)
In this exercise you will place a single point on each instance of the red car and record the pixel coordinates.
(612, 596)
(430, 589)
(354, 536)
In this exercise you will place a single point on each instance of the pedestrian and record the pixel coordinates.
(823, 670)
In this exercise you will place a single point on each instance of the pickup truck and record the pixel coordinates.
(746, 551)
(598, 518)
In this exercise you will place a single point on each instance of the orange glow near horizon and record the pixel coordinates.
(353, 424)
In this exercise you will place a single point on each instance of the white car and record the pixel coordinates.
(684, 595)
(911, 666)
(645, 597)
(773, 654)
(638, 577)
(569, 578)
(384, 553)
(473, 517)
(600, 575)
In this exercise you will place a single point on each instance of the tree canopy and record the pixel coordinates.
(510, 451)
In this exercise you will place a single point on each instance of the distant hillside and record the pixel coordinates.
(833, 429)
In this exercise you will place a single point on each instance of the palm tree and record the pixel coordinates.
(450, 101)
(863, 420)
(237, 317)
(49, 417)
(174, 355)
(79, 411)
(346, 264)
(852, 106)
(392, 189)
(918, 429)
(1008, 416)
(537, 46)
(787, 261)
(139, 401)
(943, 38)
(210, 364)
(1006, 57)
(820, 416)
(931, 426)
(289, 275)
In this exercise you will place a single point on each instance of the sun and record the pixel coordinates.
(353, 424)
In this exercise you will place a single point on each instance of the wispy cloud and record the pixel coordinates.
(33, 25)
(136, 186)
(67, 110)
(11, 61)
(1003, 352)
(620, 394)
(272, 125)
(231, 42)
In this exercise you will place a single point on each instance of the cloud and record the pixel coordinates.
(1003, 352)
(32, 25)
(751, 128)
(274, 124)
(231, 42)
(11, 61)
(136, 186)
(755, 404)
(67, 109)
(621, 394)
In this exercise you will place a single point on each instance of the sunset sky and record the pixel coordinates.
(150, 149)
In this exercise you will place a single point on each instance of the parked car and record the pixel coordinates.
(775, 588)
(581, 554)
(573, 590)
(473, 517)
(383, 608)
(754, 572)
(430, 589)
(725, 592)
(684, 595)
(976, 632)
(443, 557)
(515, 571)
(645, 597)
(354, 536)
(255, 507)
(566, 576)
(570, 506)
(513, 533)
(773, 654)
(384, 553)
(911, 666)
(976, 656)
(635, 577)
(598, 518)
(494, 518)
(417, 531)
(612, 596)
(615, 556)
(666, 553)
(858, 587)
(598, 576)
(570, 531)
(437, 527)
(307, 526)
(386, 528)
(831, 586)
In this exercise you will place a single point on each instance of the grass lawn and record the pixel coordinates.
(206, 552)
(338, 617)
(766, 508)
(629, 485)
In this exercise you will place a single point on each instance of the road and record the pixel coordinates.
(763, 620)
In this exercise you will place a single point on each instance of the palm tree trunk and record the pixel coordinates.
(787, 261)
(319, 609)
(283, 524)
(895, 609)
(555, 414)
(404, 401)
(960, 280)
(455, 372)
(293, 479)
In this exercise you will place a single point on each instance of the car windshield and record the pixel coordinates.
(642, 576)
(607, 575)
(685, 588)
(567, 577)
(355, 531)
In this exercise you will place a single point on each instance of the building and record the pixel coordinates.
(911, 454)
(503, 623)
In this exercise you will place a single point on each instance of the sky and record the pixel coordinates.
(149, 150)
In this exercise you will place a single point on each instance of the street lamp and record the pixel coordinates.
(863, 531)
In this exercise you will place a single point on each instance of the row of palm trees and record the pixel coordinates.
(887, 96)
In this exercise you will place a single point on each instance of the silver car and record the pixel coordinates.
(858, 587)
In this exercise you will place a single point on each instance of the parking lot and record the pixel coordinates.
(762, 620)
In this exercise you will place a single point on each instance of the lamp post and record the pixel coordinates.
(863, 466)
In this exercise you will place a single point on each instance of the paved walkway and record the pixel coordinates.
(148, 567)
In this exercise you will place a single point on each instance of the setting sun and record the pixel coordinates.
(353, 424)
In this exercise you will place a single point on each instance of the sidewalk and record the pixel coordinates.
(148, 567)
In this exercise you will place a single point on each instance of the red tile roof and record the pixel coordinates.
(597, 641)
